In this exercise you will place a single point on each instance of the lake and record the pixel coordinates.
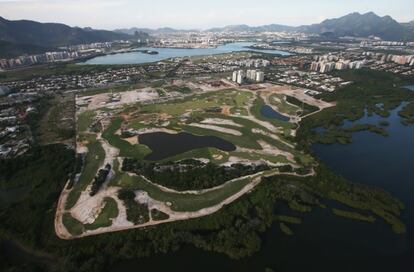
(165, 145)
(167, 53)
(269, 112)
(325, 242)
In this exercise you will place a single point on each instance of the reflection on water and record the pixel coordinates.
(269, 112)
(165, 145)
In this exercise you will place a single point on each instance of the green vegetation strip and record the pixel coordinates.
(183, 202)
(72, 225)
(85, 120)
(93, 160)
(104, 219)
(354, 215)
(126, 149)
(288, 219)
(285, 229)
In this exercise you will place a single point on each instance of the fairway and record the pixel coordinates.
(108, 137)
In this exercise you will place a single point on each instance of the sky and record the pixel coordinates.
(190, 14)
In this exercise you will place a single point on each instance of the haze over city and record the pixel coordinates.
(112, 14)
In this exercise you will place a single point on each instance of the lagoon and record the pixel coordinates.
(167, 53)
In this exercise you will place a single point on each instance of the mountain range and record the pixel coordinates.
(363, 25)
(354, 24)
(23, 36)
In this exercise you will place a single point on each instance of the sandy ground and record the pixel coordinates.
(234, 159)
(219, 121)
(225, 110)
(268, 149)
(60, 229)
(217, 128)
(143, 197)
(153, 130)
(117, 99)
(273, 136)
(132, 140)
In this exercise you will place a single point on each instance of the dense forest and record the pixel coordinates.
(189, 174)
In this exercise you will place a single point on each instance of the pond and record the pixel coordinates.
(165, 145)
(269, 112)
(167, 53)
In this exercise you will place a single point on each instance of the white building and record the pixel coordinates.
(314, 66)
(240, 76)
(234, 77)
(341, 65)
(260, 76)
(251, 74)
(327, 67)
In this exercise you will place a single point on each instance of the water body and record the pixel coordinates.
(385, 162)
(410, 87)
(269, 112)
(165, 145)
(167, 53)
(325, 242)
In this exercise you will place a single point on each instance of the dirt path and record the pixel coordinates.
(174, 216)
(60, 228)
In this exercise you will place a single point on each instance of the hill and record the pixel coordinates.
(242, 28)
(10, 50)
(163, 30)
(354, 24)
(51, 34)
(362, 25)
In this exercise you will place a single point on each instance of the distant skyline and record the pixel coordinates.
(186, 14)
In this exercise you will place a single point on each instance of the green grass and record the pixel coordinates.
(243, 141)
(231, 98)
(85, 120)
(126, 149)
(205, 153)
(72, 225)
(104, 219)
(255, 156)
(283, 106)
(307, 109)
(256, 112)
(185, 202)
(93, 160)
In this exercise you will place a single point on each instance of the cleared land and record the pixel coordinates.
(109, 128)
